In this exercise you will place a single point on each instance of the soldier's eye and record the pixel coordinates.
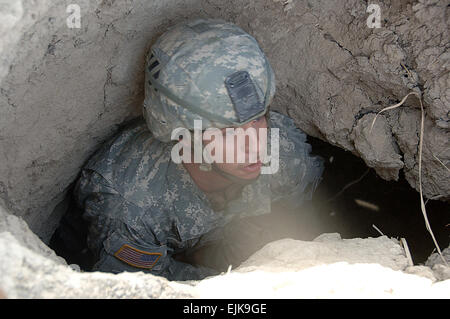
(258, 119)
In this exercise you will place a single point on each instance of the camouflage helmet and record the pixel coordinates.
(208, 70)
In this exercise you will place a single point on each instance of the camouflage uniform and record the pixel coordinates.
(133, 194)
(144, 211)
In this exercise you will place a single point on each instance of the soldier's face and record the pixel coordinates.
(246, 145)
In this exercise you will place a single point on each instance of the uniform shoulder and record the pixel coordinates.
(292, 139)
(131, 159)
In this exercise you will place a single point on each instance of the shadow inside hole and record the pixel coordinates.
(392, 206)
(69, 240)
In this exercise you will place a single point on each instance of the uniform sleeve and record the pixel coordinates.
(120, 239)
(300, 172)
(122, 253)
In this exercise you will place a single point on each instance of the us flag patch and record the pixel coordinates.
(137, 258)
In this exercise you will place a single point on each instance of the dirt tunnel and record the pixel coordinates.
(71, 76)
(353, 201)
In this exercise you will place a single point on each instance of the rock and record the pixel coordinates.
(294, 255)
(29, 269)
(75, 267)
(26, 274)
(376, 146)
(440, 269)
(18, 228)
(436, 145)
(328, 237)
(421, 271)
(436, 259)
(330, 268)
(441, 272)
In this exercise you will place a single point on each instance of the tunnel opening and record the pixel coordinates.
(391, 206)
(351, 200)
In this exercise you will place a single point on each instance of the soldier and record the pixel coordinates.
(187, 221)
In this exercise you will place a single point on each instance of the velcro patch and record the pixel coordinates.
(243, 95)
(137, 258)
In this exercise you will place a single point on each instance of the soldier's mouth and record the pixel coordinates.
(252, 167)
